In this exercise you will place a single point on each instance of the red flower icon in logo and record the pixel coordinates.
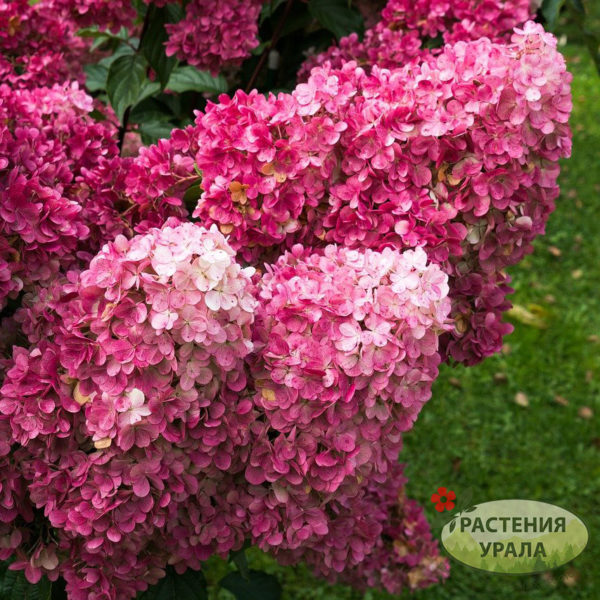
(443, 500)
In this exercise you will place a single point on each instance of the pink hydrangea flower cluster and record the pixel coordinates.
(213, 34)
(457, 153)
(141, 412)
(111, 15)
(401, 552)
(348, 351)
(142, 365)
(457, 20)
(38, 47)
(47, 141)
(407, 29)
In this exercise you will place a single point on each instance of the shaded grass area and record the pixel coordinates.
(476, 440)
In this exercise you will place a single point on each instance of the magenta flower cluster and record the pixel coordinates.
(37, 45)
(407, 29)
(106, 14)
(48, 142)
(401, 552)
(177, 383)
(215, 34)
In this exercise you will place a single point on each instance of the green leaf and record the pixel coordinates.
(149, 110)
(153, 43)
(152, 131)
(189, 586)
(578, 6)
(14, 586)
(93, 32)
(148, 89)
(240, 561)
(551, 9)
(257, 586)
(125, 82)
(259, 49)
(95, 77)
(268, 10)
(141, 7)
(123, 50)
(191, 197)
(185, 79)
(299, 19)
(336, 16)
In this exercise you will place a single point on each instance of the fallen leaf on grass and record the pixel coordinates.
(500, 378)
(549, 578)
(521, 399)
(455, 382)
(554, 251)
(534, 315)
(561, 400)
(577, 274)
(571, 577)
(585, 412)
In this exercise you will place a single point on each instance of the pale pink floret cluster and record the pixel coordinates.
(457, 153)
(214, 34)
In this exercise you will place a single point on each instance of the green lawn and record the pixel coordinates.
(475, 439)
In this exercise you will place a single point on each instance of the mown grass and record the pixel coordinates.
(476, 440)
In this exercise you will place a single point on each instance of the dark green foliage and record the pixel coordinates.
(337, 16)
(256, 585)
(14, 586)
(189, 586)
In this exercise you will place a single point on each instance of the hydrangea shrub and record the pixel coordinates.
(219, 339)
